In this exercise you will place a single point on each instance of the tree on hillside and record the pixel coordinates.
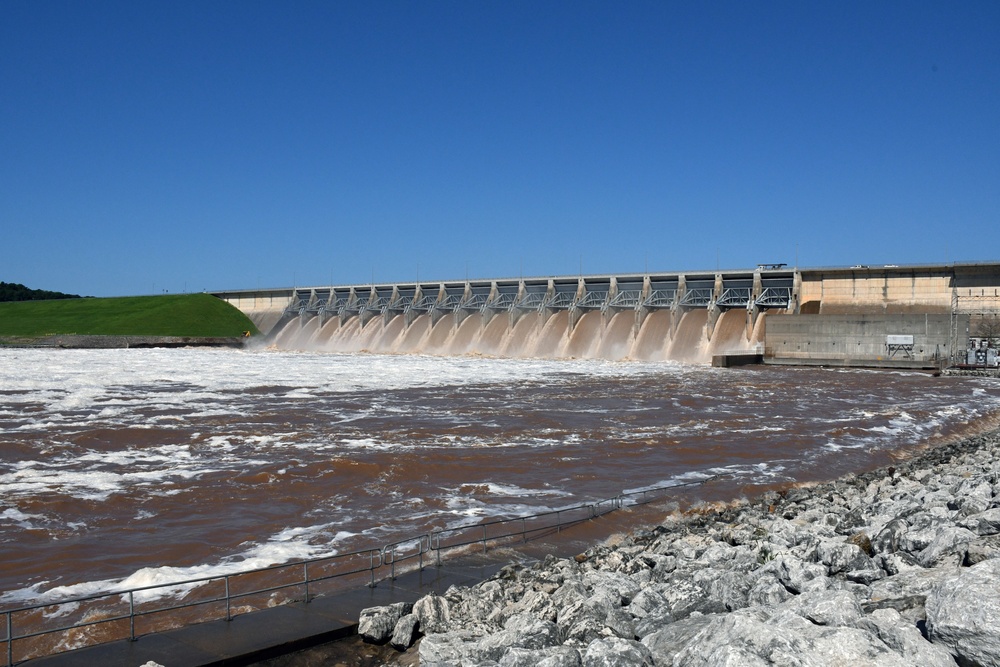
(18, 292)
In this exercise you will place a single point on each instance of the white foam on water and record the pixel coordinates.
(12, 515)
(513, 490)
(465, 509)
(676, 481)
(98, 475)
(165, 493)
(371, 443)
(504, 490)
(765, 472)
(759, 429)
(532, 442)
(42, 426)
(124, 378)
(835, 447)
(90, 390)
(217, 412)
(300, 393)
(219, 442)
(82, 485)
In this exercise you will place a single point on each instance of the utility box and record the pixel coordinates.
(896, 343)
(983, 357)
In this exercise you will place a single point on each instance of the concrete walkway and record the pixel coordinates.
(269, 633)
(259, 635)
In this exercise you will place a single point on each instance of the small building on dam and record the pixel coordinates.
(920, 316)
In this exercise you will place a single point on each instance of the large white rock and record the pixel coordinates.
(405, 632)
(448, 649)
(829, 607)
(559, 656)
(671, 638)
(433, 613)
(983, 523)
(617, 652)
(376, 624)
(748, 638)
(905, 639)
(963, 614)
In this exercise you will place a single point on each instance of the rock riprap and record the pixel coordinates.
(889, 568)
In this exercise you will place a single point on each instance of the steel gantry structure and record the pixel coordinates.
(609, 294)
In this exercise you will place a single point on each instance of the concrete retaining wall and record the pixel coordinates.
(265, 308)
(860, 337)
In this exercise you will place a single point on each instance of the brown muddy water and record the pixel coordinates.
(122, 468)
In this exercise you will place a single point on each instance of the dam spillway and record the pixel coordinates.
(839, 313)
(544, 335)
(686, 318)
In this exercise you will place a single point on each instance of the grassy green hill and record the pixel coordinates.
(194, 315)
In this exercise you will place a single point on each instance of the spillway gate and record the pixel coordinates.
(607, 294)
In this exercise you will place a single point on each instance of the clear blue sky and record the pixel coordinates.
(151, 146)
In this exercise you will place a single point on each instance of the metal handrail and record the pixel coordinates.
(389, 555)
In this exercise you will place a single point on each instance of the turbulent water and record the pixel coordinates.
(535, 335)
(131, 467)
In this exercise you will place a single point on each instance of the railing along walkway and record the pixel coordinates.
(52, 627)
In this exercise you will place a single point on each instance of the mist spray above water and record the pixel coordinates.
(542, 335)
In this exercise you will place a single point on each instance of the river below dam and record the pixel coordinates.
(123, 468)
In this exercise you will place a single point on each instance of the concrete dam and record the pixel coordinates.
(919, 316)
